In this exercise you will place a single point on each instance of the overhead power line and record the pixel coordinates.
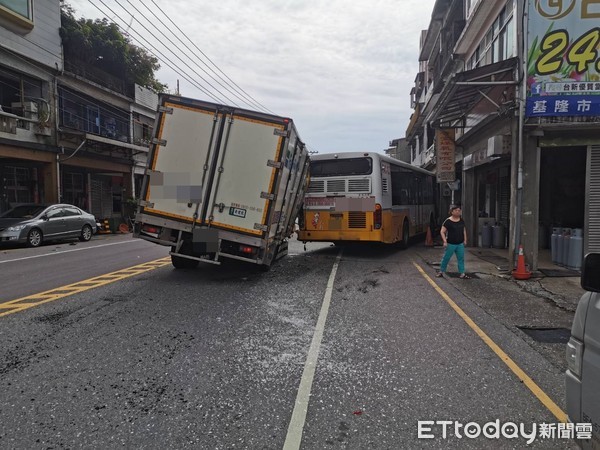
(162, 57)
(24, 80)
(174, 54)
(175, 51)
(225, 85)
(223, 80)
(239, 89)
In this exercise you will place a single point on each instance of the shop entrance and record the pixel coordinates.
(493, 202)
(562, 190)
(20, 182)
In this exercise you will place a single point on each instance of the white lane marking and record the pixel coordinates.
(69, 251)
(296, 426)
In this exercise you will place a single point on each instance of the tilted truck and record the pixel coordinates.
(221, 182)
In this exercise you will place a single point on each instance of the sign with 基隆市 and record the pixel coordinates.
(563, 63)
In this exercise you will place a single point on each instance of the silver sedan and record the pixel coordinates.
(32, 224)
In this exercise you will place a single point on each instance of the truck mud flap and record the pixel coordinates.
(282, 250)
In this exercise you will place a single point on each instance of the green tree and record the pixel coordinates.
(100, 43)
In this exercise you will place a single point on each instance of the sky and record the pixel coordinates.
(342, 70)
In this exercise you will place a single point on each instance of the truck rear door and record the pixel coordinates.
(180, 160)
(244, 182)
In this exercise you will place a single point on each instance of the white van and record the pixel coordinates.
(583, 355)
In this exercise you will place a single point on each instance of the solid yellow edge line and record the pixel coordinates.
(533, 387)
(74, 288)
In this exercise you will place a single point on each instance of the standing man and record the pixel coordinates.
(454, 235)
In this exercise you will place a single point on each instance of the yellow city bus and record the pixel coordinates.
(368, 197)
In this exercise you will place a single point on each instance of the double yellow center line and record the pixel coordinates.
(30, 301)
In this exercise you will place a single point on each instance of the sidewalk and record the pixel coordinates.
(550, 281)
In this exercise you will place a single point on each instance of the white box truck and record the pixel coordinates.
(221, 182)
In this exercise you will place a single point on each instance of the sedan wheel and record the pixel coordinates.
(86, 233)
(34, 238)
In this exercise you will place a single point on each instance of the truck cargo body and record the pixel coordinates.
(221, 182)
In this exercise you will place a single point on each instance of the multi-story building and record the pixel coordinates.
(436, 65)
(30, 59)
(491, 111)
(143, 113)
(398, 149)
(69, 132)
(103, 138)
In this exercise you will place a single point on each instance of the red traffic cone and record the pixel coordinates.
(429, 238)
(521, 273)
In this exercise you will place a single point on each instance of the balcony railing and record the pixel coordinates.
(91, 119)
(428, 155)
(98, 76)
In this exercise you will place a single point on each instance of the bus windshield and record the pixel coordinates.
(341, 167)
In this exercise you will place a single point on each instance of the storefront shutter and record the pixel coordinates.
(101, 199)
(96, 191)
(592, 226)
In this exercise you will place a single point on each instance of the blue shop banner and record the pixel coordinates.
(563, 105)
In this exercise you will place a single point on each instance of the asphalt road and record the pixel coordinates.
(214, 358)
(26, 271)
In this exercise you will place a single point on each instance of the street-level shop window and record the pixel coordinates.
(17, 182)
(73, 189)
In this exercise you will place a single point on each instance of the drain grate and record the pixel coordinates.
(547, 335)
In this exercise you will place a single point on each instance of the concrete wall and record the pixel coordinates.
(531, 194)
(469, 206)
(41, 43)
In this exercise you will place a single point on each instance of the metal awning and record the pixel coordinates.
(116, 143)
(467, 88)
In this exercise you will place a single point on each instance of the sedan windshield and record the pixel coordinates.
(23, 212)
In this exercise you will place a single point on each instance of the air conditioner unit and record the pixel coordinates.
(29, 110)
(499, 145)
(8, 125)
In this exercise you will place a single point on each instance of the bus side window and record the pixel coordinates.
(395, 188)
(428, 191)
(404, 197)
